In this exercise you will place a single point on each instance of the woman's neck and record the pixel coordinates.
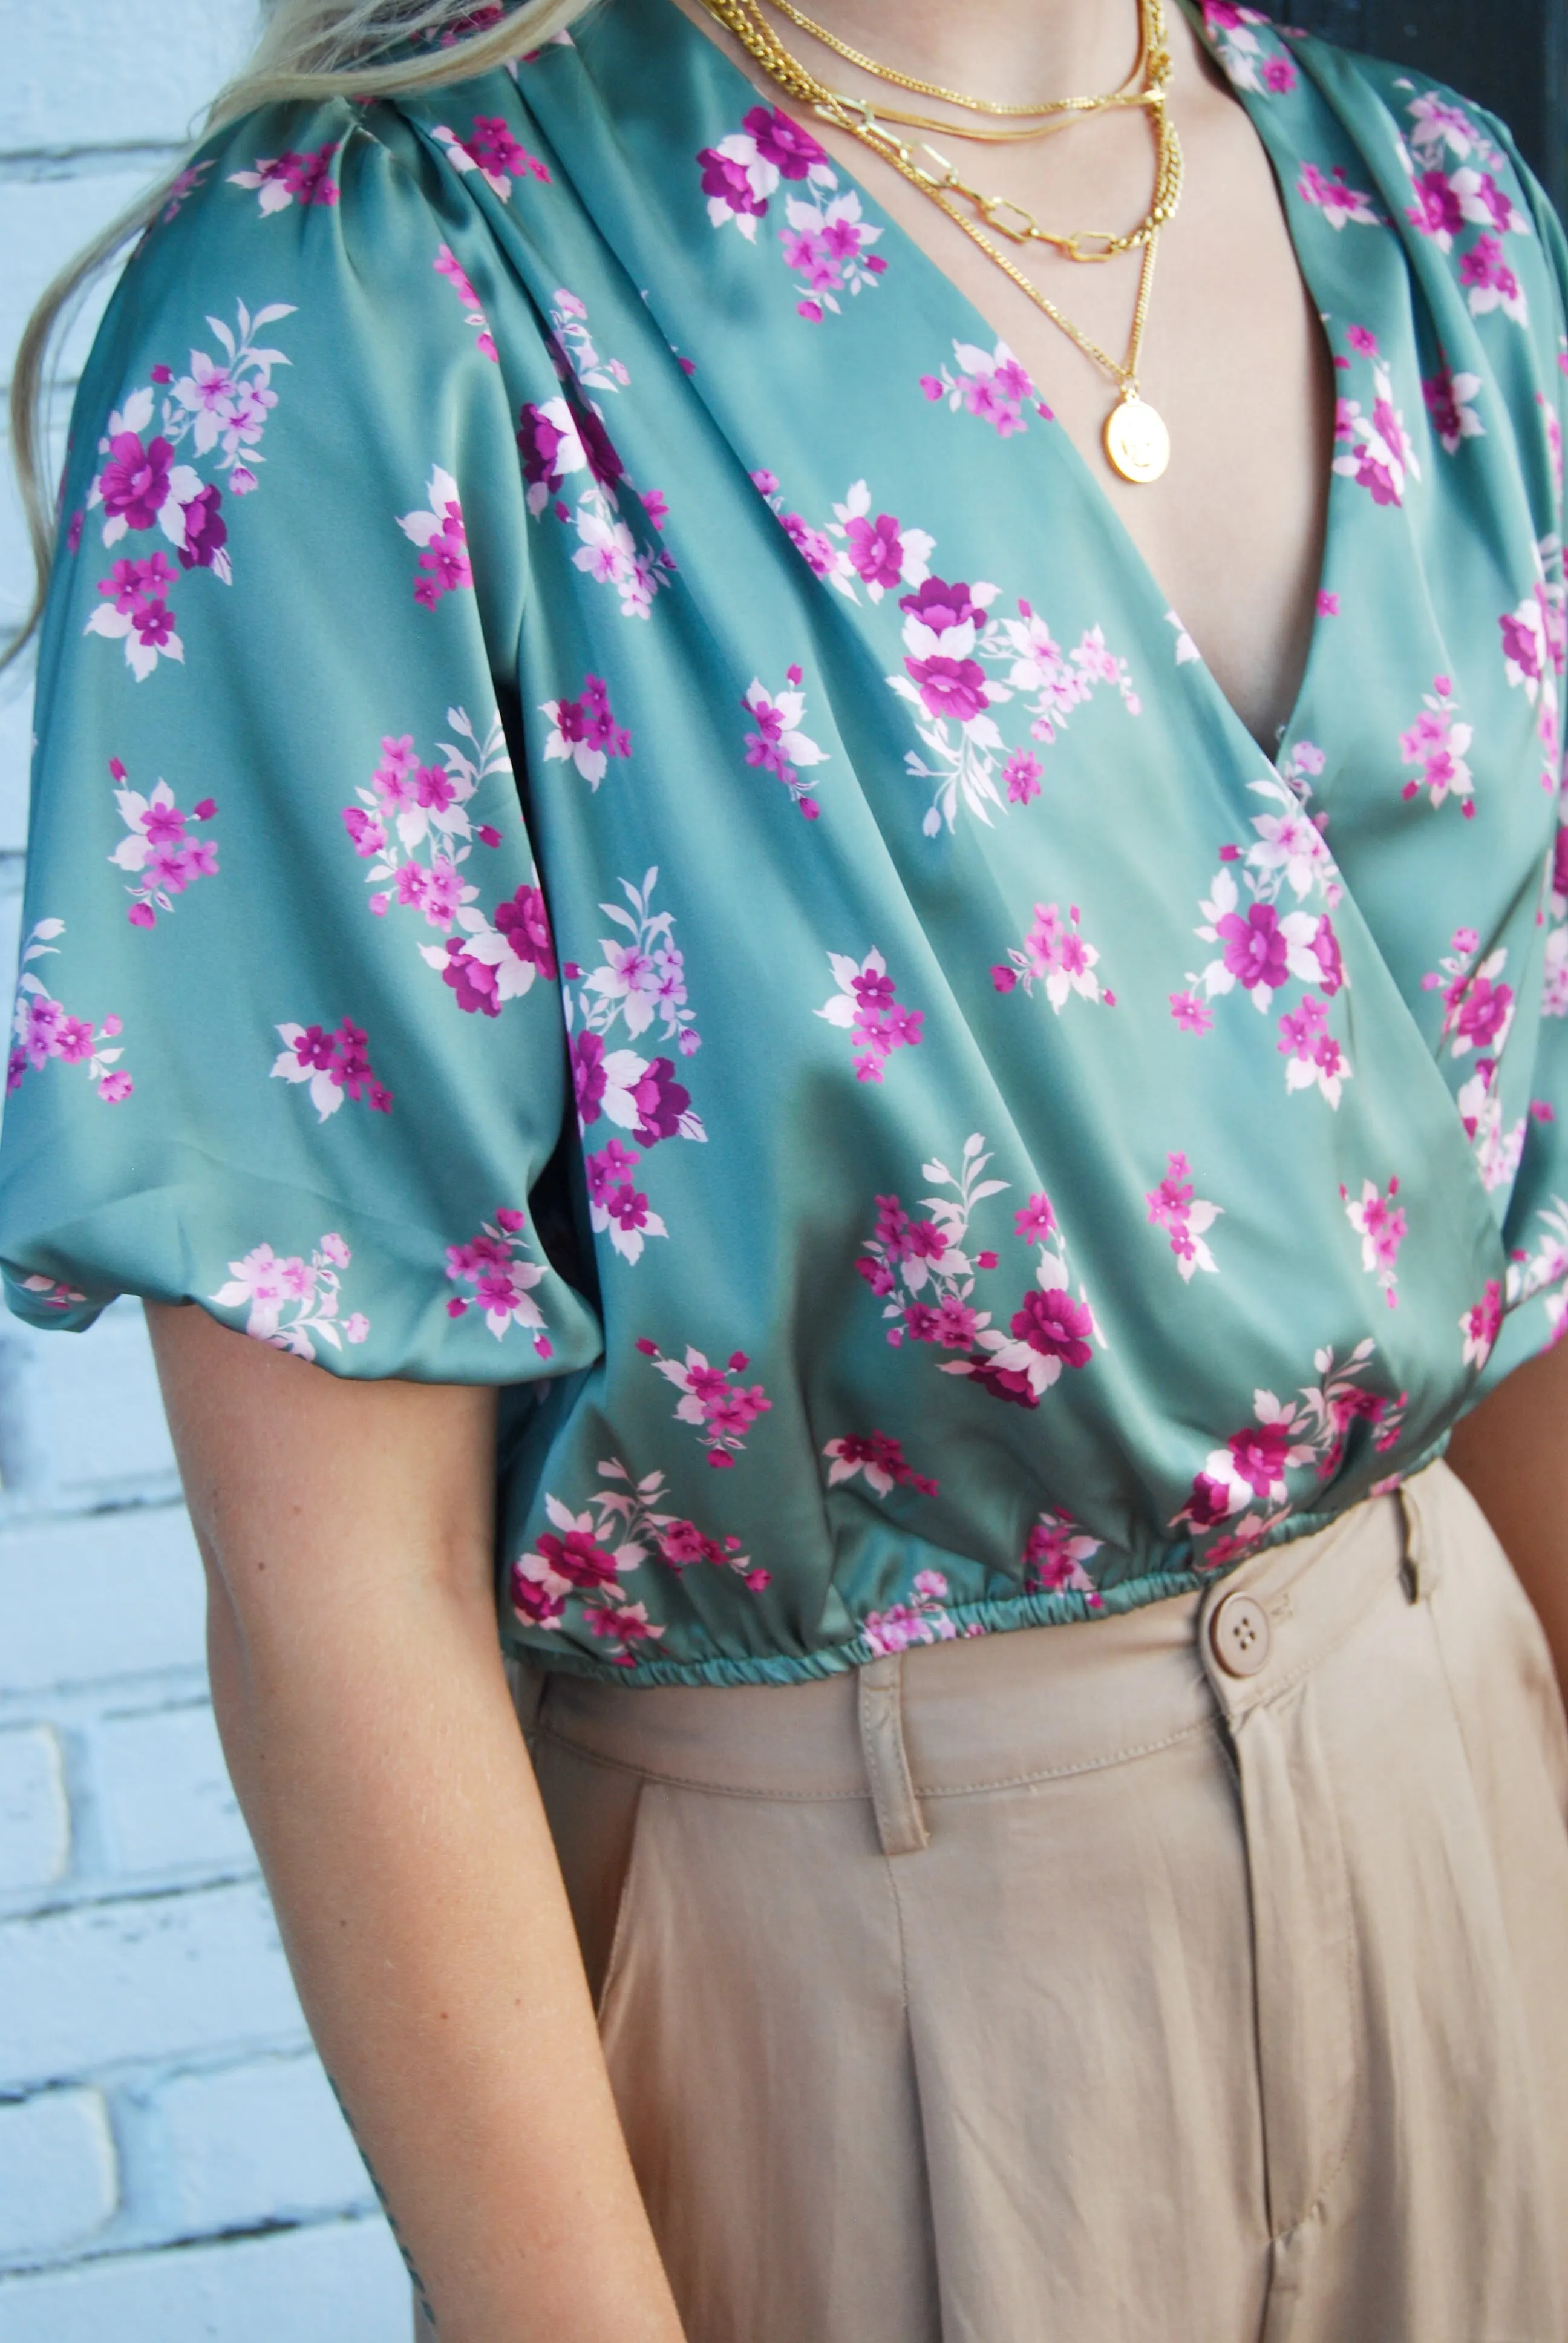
(1012, 49)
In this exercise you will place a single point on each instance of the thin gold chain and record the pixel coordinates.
(743, 19)
(1123, 96)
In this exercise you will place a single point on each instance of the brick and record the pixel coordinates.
(143, 1978)
(339, 2282)
(58, 2182)
(47, 221)
(35, 1815)
(255, 2143)
(88, 1413)
(15, 747)
(93, 72)
(108, 1595)
(164, 1794)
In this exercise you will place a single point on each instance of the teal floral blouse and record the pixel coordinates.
(618, 816)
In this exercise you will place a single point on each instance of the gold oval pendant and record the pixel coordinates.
(1136, 441)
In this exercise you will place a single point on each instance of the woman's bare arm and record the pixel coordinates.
(347, 1529)
(1511, 1453)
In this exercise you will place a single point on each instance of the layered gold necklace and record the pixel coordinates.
(1136, 441)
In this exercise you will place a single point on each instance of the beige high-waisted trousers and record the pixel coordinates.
(1196, 1976)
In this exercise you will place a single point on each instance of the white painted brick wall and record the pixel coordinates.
(173, 2166)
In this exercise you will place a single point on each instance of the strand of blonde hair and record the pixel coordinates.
(309, 50)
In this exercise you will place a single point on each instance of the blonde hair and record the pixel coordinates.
(309, 50)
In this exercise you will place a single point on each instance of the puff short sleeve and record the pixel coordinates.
(288, 1041)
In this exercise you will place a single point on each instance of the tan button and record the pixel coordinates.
(1239, 1632)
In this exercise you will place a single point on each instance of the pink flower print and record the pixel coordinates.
(279, 180)
(1279, 76)
(1380, 455)
(867, 1006)
(291, 1303)
(923, 1620)
(1325, 949)
(722, 1411)
(1481, 1325)
(1258, 1455)
(491, 150)
(1036, 1220)
(727, 182)
(1436, 211)
(206, 531)
(1021, 775)
(447, 264)
(1314, 1053)
(589, 1076)
(1435, 745)
(334, 1065)
(990, 384)
(1055, 1557)
(791, 150)
(1341, 204)
(660, 1102)
(135, 480)
(876, 549)
(1382, 1227)
(943, 609)
(584, 731)
(950, 686)
(525, 922)
(1490, 283)
(1185, 1217)
(551, 447)
(42, 1028)
(1056, 1327)
(1483, 1016)
(494, 1264)
(1053, 953)
(1192, 1015)
(439, 532)
(1254, 948)
(814, 547)
(162, 858)
(779, 746)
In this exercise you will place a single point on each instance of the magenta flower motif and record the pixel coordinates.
(1437, 211)
(1486, 271)
(1255, 950)
(135, 480)
(939, 606)
(876, 549)
(589, 1076)
(1056, 1327)
(524, 922)
(950, 686)
(1258, 1455)
(792, 151)
(661, 1102)
(206, 532)
(729, 182)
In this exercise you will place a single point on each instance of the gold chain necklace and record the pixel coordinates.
(1136, 441)
(1124, 95)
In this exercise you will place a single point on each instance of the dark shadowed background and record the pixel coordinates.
(1509, 55)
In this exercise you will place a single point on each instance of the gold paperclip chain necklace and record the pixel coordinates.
(1137, 443)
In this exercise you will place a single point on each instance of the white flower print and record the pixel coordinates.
(279, 179)
(570, 327)
(1382, 1227)
(778, 745)
(827, 242)
(721, 1411)
(1249, 48)
(560, 443)
(221, 406)
(1250, 1472)
(988, 384)
(1049, 1331)
(334, 1065)
(584, 732)
(1435, 744)
(489, 149)
(1379, 453)
(1451, 405)
(291, 1303)
(42, 1028)
(879, 1457)
(1055, 1559)
(1261, 951)
(1478, 1010)
(923, 1620)
(492, 1262)
(639, 982)
(1186, 648)
(876, 550)
(1331, 193)
(587, 1554)
(1054, 954)
(948, 643)
(1186, 1218)
(159, 851)
(1545, 1270)
(921, 1270)
(51, 1292)
(1481, 1325)
(1533, 642)
(1436, 123)
(865, 1005)
(443, 541)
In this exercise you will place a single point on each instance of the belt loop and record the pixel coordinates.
(1418, 1565)
(901, 1825)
